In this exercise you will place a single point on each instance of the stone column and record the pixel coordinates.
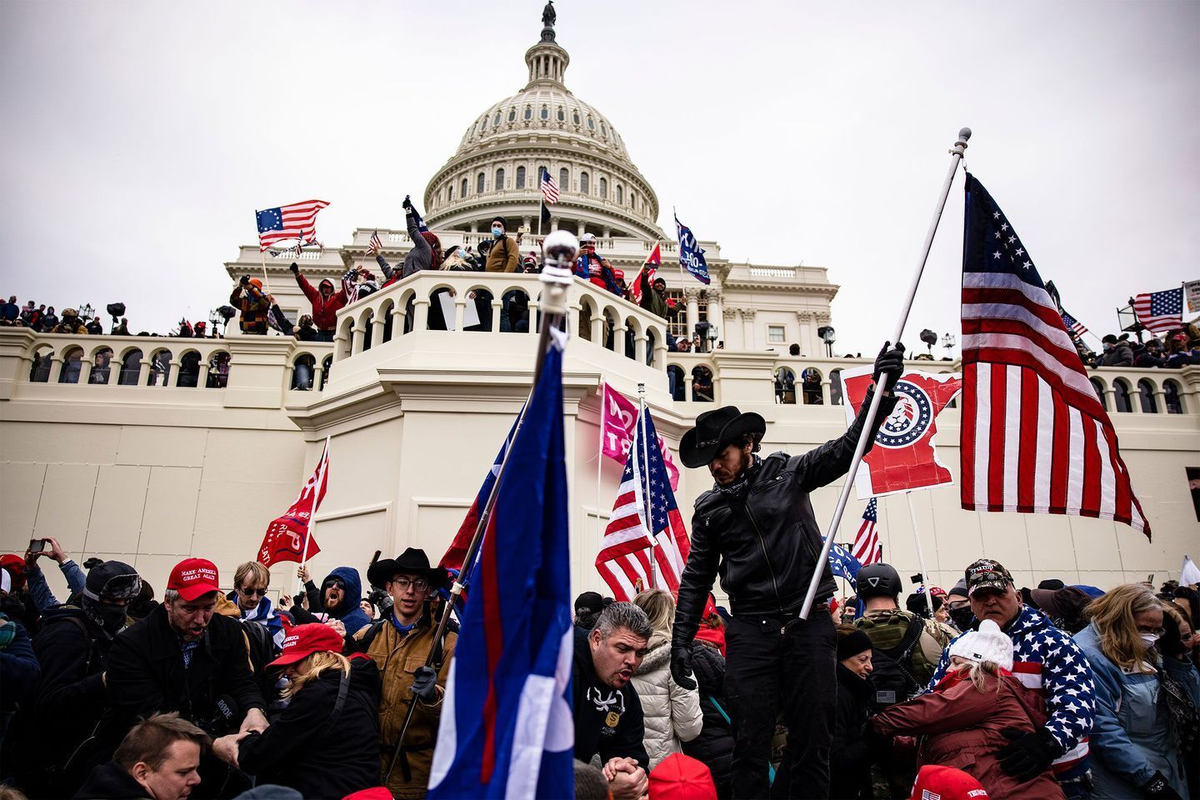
(807, 340)
(715, 314)
(751, 342)
(732, 343)
(172, 376)
(202, 379)
(579, 229)
(318, 374)
(421, 309)
(377, 324)
(639, 347)
(356, 340)
(692, 295)
(598, 328)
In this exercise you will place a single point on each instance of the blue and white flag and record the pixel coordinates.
(506, 729)
(844, 564)
(690, 254)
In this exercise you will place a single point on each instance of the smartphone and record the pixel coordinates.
(37, 545)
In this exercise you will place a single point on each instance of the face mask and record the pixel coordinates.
(497, 232)
(961, 617)
(108, 616)
(1148, 640)
(460, 253)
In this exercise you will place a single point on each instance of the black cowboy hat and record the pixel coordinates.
(412, 562)
(716, 430)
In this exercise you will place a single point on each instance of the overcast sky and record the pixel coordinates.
(137, 138)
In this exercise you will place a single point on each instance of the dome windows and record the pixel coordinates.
(463, 193)
(520, 177)
(603, 189)
(480, 180)
(583, 183)
(620, 194)
(512, 115)
(575, 117)
(545, 113)
(562, 115)
(500, 179)
(450, 193)
(528, 113)
(496, 120)
(603, 130)
(591, 124)
(564, 179)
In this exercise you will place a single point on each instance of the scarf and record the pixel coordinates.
(263, 614)
(739, 485)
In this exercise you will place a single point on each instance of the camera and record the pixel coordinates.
(37, 545)
(382, 601)
(917, 579)
(116, 310)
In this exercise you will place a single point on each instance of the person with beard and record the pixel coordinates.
(757, 530)
(325, 300)
(339, 598)
(72, 648)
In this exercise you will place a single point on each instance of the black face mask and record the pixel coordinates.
(110, 617)
(962, 617)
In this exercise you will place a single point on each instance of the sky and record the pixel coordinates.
(137, 138)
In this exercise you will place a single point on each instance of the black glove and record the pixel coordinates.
(425, 684)
(681, 666)
(244, 280)
(407, 204)
(294, 267)
(1028, 754)
(1157, 787)
(890, 365)
(875, 741)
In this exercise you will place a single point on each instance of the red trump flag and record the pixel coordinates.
(289, 537)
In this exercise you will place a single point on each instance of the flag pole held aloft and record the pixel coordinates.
(956, 156)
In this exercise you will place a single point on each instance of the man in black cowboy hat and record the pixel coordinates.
(400, 646)
(757, 530)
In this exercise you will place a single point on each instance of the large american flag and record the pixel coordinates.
(1035, 438)
(624, 557)
(295, 221)
(866, 548)
(549, 188)
(1160, 311)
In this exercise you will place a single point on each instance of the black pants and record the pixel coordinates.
(785, 667)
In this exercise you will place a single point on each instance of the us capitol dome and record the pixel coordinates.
(497, 167)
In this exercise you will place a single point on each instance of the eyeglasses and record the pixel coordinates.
(262, 592)
(420, 584)
(1151, 631)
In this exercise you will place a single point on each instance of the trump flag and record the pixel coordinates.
(903, 457)
(618, 418)
(506, 729)
(285, 537)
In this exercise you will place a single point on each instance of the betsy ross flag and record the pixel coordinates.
(295, 221)
(1035, 438)
(506, 728)
(289, 537)
(624, 558)
(867, 549)
(1159, 312)
(650, 266)
(375, 245)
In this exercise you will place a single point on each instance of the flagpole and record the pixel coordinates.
(309, 526)
(600, 451)
(559, 251)
(912, 515)
(956, 151)
(648, 517)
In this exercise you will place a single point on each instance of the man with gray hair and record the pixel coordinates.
(608, 713)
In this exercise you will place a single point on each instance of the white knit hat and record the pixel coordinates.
(986, 644)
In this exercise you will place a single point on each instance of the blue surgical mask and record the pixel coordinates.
(497, 232)
(460, 253)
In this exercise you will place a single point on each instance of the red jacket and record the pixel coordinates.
(324, 312)
(963, 728)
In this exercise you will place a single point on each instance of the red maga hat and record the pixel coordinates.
(194, 577)
(304, 640)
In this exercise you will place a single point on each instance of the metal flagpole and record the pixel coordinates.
(912, 515)
(559, 251)
(324, 463)
(956, 152)
(600, 453)
(648, 519)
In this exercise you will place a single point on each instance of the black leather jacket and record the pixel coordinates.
(765, 543)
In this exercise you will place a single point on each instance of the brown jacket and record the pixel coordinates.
(503, 257)
(398, 656)
(963, 725)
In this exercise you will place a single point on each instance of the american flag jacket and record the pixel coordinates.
(1048, 660)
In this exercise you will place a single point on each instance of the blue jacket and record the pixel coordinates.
(1132, 737)
(1047, 660)
(39, 590)
(19, 668)
(351, 613)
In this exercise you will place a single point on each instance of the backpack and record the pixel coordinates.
(892, 680)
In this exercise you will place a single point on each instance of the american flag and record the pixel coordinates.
(1160, 311)
(1074, 326)
(866, 548)
(295, 221)
(624, 558)
(549, 188)
(1035, 438)
(375, 245)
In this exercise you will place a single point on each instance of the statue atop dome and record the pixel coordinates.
(548, 18)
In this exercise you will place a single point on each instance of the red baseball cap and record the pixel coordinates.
(946, 783)
(194, 577)
(680, 777)
(304, 640)
(15, 565)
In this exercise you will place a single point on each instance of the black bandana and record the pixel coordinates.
(739, 485)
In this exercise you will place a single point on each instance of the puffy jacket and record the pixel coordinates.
(670, 713)
(964, 725)
(1121, 355)
(850, 756)
(253, 305)
(324, 312)
(315, 748)
(1048, 661)
(1133, 736)
(765, 543)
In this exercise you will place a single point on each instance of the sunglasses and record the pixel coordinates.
(254, 592)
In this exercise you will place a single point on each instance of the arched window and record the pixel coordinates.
(575, 117)
(603, 130)
(1121, 392)
(1146, 391)
(218, 370)
(528, 113)
(785, 386)
(564, 180)
(303, 370)
(591, 124)
(450, 193)
(542, 170)
(160, 369)
(500, 179)
(677, 382)
(561, 114)
(512, 115)
(702, 384)
(496, 120)
(479, 180)
(101, 366)
(520, 177)
(620, 194)
(811, 387)
(42, 361)
(130, 365)
(633, 200)
(1098, 388)
(189, 370)
(583, 182)
(1173, 397)
(72, 365)
(545, 113)
(326, 366)
(483, 123)
(463, 193)
(835, 387)
(603, 189)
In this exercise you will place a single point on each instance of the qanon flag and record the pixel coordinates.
(285, 538)
(903, 457)
(690, 254)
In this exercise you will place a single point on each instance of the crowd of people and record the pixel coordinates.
(1052, 692)
(1175, 349)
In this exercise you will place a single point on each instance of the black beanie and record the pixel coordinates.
(112, 579)
(852, 644)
